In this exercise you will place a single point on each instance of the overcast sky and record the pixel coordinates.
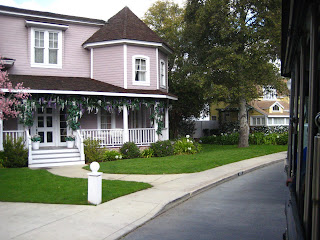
(99, 9)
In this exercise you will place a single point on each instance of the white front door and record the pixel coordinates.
(51, 125)
(45, 126)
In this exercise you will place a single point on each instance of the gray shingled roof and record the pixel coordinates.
(125, 25)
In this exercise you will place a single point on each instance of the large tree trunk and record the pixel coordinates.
(244, 127)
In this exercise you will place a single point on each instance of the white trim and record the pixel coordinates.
(141, 83)
(91, 62)
(157, 60)
(46, 25)
(52, 18)
(127, 41)
(125, 66)
(109, 94)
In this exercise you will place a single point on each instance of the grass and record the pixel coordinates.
(40, 186)
(210, 157)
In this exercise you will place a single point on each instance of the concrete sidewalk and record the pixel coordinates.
(113, 219)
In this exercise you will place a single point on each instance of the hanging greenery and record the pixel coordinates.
(76, 106)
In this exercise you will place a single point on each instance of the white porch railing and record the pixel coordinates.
(79, 144)
(29, 146)
(14, 134)
(106, 137)
(142, 136)
(115, 137)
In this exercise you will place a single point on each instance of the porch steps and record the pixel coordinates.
(55, 157)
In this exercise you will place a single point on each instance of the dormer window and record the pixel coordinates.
(276, 108)
(46, 48)
(46, 44)
(141, 70)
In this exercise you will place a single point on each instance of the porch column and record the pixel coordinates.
(125, 124)
(166, 124)
(1, 135)
(155, 124)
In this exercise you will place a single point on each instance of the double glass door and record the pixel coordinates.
(51, 125)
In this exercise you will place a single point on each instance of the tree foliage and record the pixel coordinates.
(167, 20)
(10, 96)
(233, 43)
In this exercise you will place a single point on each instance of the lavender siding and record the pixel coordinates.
(89, 121)
(10, 124)
(108, 65)
(16, 43)
(145, 51)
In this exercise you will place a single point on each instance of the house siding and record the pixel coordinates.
(108, 65)
(144, 51)
(16, 43)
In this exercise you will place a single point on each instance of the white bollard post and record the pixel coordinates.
(94, 184)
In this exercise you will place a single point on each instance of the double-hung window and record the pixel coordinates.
(46, 48)
(141, 70)
(162, 73)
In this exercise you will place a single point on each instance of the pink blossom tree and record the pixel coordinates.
(10, 96)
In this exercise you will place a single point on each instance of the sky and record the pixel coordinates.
(98, 9)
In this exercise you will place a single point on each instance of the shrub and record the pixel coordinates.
(111, 155)
(222, 139)
(162, 148)
(15, 155)
(130, 150)
(1, 159)
(282, 139)
(92, 151)
(186, 146)
(256, 138)
(147, 153)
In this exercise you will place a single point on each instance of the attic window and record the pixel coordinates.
(276, 108)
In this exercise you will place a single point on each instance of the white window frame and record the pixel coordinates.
(163, 79)
(141, 83)
(46, 63)
(254, 121)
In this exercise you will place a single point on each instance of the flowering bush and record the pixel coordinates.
(162, 148)
(130, 150)
(111, 155)
(147, 153)
(186, 146)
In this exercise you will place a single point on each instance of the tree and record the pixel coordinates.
(10, 97)
(233, 43)
(167, 20)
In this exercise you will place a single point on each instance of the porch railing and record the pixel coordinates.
(142, 136)
(115, 137)
(106, 137)
(14, 134)
(79, 144)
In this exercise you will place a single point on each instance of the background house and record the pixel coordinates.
(94, 79)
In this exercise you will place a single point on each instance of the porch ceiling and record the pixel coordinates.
(84, 86)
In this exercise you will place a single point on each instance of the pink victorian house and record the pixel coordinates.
(88, 78)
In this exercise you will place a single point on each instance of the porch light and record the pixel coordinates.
(7, 63)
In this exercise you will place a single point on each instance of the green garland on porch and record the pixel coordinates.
(76, 106)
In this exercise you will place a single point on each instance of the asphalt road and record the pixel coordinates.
(248, 207)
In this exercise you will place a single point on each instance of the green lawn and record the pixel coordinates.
(40, 186)
(210, 157)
